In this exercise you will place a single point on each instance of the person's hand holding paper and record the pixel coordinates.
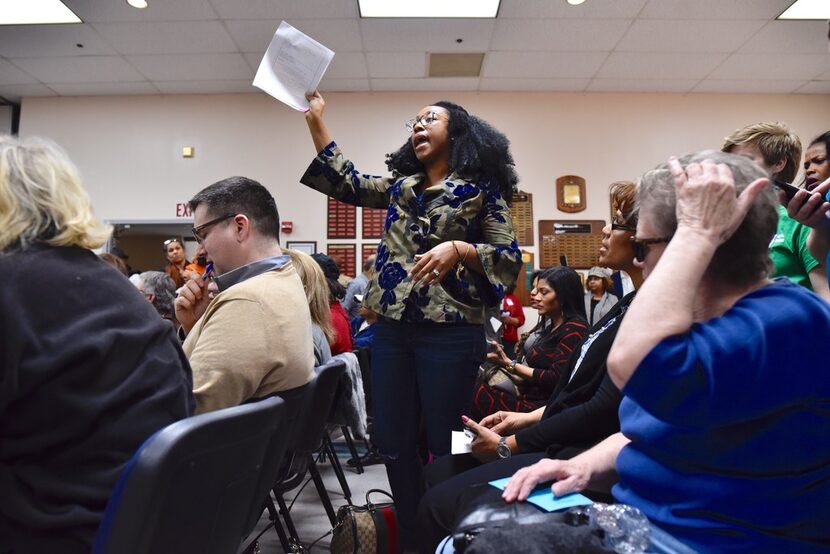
(292, 67)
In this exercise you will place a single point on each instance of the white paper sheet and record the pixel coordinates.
(292, 66)
(496, 323)
(460, 442)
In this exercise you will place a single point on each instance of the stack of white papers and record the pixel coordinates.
(292, 67)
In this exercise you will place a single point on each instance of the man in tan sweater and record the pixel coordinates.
(254, 338)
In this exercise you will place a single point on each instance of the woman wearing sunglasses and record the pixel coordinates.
(724, 420)
(581, 411)
(447, 251)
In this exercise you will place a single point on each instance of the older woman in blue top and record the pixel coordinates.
(724, 420)
(447, 252)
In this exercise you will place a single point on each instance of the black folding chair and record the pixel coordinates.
(306, 439)
(192, 486)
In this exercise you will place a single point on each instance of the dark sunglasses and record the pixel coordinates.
(640, 246)
(197, 231)
(623, 227)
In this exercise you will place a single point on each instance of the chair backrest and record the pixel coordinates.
(191, 486)
(319, 400)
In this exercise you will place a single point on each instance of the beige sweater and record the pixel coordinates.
(253, 340)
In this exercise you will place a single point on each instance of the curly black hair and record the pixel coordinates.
(478, 152)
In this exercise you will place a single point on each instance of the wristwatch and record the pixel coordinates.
(502, 449)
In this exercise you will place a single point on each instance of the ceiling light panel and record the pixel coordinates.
(35, 12)
(429, 8)
(807, 9)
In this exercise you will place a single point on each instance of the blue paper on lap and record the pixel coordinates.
(544, 499)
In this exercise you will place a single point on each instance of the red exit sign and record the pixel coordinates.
(183, 210)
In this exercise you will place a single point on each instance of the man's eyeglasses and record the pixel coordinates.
(640, 246)
(425, 121)
(197, 231)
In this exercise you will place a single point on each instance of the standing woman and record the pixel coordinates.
(176, 262)
(448, 251)
(598, 301)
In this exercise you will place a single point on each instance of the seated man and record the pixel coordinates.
(160, 291)
(254, 338)
(88, 371)
(724, 425)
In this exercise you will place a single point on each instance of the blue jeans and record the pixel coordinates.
(420, 369)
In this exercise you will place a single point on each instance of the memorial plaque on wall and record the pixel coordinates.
(344, 255)
(373, 220)
(572, 243)
(366, 251)
(523, 283)
(521, 209)
(342, 220)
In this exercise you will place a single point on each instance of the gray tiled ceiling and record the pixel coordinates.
(214, 47)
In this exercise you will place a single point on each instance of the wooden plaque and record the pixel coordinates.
(574, 242)
(373, 221)
(521, 209)
(342, 220)
(344, 255)
(570, 193)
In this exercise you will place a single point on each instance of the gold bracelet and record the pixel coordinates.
(457, 253)
(467, 251)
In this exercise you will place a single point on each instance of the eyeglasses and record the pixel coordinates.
(640, 246)
(425, 121)
(623, 227)
(197, 231)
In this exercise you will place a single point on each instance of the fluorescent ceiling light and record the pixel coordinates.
(807, 9)
(429, 8)
(575, 2)
(138, 4)
(35, 12)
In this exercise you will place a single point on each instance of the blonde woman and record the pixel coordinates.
(88, 369)
(317, 290)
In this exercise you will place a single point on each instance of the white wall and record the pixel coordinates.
(129, 148)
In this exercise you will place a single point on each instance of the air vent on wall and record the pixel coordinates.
(455, 65)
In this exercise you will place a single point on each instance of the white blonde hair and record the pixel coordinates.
(42, 199)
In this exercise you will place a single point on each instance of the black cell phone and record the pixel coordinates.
(563, 261)
(788, 189)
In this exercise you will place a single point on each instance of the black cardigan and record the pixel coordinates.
(88, 371)
(583, 411)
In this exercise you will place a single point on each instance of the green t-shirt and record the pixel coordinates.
(788, 250)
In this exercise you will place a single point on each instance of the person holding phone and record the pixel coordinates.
(448, 250)
(777, 150)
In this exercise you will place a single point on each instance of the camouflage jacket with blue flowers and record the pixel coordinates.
(454, 210)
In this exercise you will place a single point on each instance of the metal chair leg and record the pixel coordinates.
(347, 435)
(286, 515)
(321, 490)
(274, 516)
(328, 447)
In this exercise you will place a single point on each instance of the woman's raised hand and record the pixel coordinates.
(316, 105)
(706, 199)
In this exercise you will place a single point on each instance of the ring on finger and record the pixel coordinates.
(436, 273)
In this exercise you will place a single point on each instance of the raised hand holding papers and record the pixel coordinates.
(292, 66)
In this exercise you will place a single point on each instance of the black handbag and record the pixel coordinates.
(490, 526)
(368, 529)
